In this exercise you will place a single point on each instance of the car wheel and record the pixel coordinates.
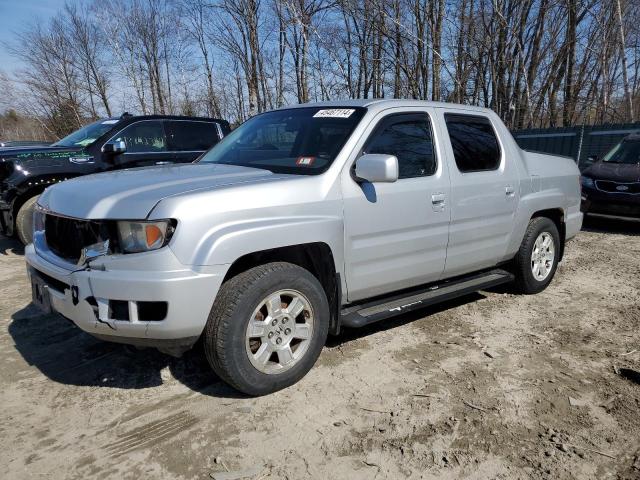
(24, 220)
(267, 327)
(537, 259)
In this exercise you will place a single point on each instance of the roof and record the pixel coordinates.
(167, 117)
(383, 103)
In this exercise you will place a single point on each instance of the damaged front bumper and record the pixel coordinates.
(147, 299)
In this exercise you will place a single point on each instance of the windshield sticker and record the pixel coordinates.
(334, 113)
(110, 122)
(305, 161)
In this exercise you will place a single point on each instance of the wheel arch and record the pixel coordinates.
(34, 186)
(315, 257)
(18, 201)
(556, 215)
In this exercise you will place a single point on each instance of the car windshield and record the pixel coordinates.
(303, 141)
(87, 134)
(627, 151)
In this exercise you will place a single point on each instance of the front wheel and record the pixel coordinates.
(267, 327)
(537, 259)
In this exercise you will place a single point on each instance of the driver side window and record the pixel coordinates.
(410, 139)
(144, 137)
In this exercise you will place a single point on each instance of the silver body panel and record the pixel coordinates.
(383, 236)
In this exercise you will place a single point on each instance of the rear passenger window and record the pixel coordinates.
(189, 136)
(474, 142)
(409, 138)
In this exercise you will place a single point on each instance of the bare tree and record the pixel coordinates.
(535, 62)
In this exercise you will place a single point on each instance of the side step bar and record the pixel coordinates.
(355, 316)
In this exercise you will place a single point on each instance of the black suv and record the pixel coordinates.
(611, 186)
(113, 143)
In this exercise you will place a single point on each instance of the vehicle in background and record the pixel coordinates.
(109, 144)
(300, 222)
(611, 185)
(22, 143)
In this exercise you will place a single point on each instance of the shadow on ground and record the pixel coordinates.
(67, 355)
(10, 246)
(611, 225)
(349, 334)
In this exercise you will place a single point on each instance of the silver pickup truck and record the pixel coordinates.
(301, 222)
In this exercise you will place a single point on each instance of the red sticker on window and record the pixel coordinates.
(305, 161)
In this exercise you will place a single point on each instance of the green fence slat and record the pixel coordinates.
(596, 139)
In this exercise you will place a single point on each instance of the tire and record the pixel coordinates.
(530, 278)
(24, 220)
(240, 360)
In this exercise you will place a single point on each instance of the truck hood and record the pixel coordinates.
(31, 158)
(618, 172)
(44, 151)
(133, 193)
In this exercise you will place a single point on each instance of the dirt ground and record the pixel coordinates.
(489, 386)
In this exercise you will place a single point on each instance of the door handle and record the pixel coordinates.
(509, 191)
(438, 201)
(438, 198)
(164, 162)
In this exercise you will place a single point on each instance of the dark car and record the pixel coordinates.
(112, 143)
(611, 186)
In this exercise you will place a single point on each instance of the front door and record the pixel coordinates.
(146, 144)
(484, 191)
(396, 233)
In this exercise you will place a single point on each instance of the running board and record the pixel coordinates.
(355, 316)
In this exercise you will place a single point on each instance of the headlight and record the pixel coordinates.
(143, 236)
(39, 214)
(587, 182)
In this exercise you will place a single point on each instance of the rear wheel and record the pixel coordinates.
(537, 259)
(267, 328)
(24, 220)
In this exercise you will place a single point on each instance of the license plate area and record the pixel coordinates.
(40, 293)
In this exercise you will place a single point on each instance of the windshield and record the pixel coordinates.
(303, 141)
(86, 135)
(627, 151)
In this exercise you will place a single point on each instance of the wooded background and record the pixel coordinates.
(537, 63)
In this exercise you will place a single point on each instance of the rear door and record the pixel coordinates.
(484, 191)
(188, 139)
(396, 233)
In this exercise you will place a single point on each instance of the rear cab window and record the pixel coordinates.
(474, 142)
(187, 136)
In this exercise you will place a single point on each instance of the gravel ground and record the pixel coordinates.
(489, 386)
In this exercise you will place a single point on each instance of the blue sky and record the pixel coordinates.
(15, 15)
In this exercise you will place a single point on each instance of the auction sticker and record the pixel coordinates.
(305, 161)
(334, 113)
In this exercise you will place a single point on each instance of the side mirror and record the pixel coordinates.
(591, 159)
(377, 167)
(114, 148)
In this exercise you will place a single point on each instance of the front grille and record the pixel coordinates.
(66, 237)
(616, 187)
